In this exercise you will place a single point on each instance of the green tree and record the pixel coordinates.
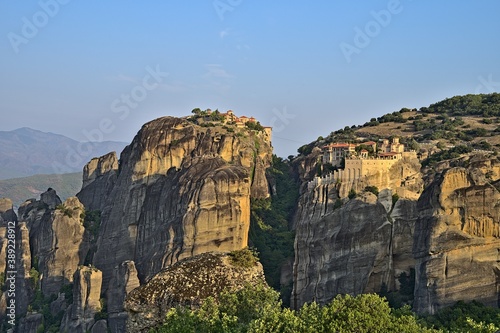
(366, 313)
(270, 219)
(257, 309)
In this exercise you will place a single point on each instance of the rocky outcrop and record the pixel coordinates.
(357, 245)
(187, 283)
(24, 287)
(353, 249)
(33, 212)
(15, 262)
(56, 238)
(50, 198)
(99, 177)
(181, 189)
(124, 280)
(7, 215)
(7, 211)
(457, 236)
(86, 300)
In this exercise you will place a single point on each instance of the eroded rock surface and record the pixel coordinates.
(99, 177)
(79, 317)
(457, 237)
(354, 249)
(181, 189)
(124, 280)
(55, 237)
(358, 245)
(7, 211)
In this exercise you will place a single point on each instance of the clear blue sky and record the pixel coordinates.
(284, 62)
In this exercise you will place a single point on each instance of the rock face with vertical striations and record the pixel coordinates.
(79, 317)
(8, 220)
(56, 238)
(181, 189)
(7, 211)
(354, 249)
(352, 246)
(457, 236)
(124, 280)
(7, 215)
(24, 289)
(99, 177)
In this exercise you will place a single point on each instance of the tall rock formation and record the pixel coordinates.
(7, 215)
(180, 190)
(124, 280)
(56, 238)
(99, 177)
(79, 317)
(24, 287)
(357, 245)
(60, 246)
(457, 236)
(34, 212)
(10, 245)
(7, 211)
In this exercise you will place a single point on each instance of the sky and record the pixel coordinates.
(97, 70)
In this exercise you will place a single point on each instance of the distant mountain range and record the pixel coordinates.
(26, 152)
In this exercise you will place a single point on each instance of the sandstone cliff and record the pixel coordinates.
(124, 280)
(358, 245)
(354, 249)
(7, 211)
(180, 190)
(7, 214)
(79, 317)
(186, 283)
(99, 177)
(457, 236)
(56, 238)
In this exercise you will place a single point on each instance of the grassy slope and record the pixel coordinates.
(21, 189)
(470, 120)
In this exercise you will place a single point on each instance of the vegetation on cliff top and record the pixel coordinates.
(470, 120)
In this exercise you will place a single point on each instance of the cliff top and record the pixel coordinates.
(471, 120)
